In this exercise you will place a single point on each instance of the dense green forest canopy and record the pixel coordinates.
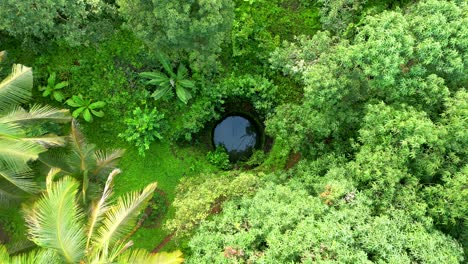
(363, 105)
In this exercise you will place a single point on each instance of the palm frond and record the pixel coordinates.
(56, 158)
(36, 113)
(19, 152)
(118, 250)
(140, 256)
(121, 217)
(82, 152)
(106, 161)
(101, 207)
(4, 256)
(10, 131)
(56, 221)
(47, 140)
(9, 194)
(43, 256)
(16, 87)
(21, 180)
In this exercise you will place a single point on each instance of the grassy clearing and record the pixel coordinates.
(165, 163)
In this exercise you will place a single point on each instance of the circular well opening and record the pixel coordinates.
(239, 134)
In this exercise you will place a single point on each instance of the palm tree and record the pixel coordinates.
(66, 234)
(18, 145)
(82, 161)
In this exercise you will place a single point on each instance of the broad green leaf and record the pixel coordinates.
(51, 80)
(97, 113)
(46, 92)
(183, 94)
(156, 77)
(61, 85)
(77, 112)
(95, 105)
(166, 65)
(79, 100)
(71, 102)
(58, 96)
(181, 72)
(160, 92)
(87, 115)
(187, 83)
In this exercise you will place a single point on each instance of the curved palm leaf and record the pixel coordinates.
(16, 87)
(17, 153)
(36, 113)
(21, 180)
(121, 217)
(9, 193)
(55, 221)
(47, 256)
(106, 161)
(101, 207)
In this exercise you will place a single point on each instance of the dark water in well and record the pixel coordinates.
(238, 134)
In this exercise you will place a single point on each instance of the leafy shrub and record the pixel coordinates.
(68, 22)
(53, 89)
(143, 127)
(283, 224)
(170, 80)
(197, 198)
(257, 158)
(85, 107)
(219, 158)
(249, 87)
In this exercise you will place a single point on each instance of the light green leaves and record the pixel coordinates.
(16, 87)
(52, 89)
(54, 221)
(85, 107)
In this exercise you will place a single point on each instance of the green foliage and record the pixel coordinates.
(105, 72)
(170, 81)
(339, 16)
(199, 197)
(284, 224)
(83, 161)
(259, 27)
(52, 89)
(85, 107)
(196, 27)
(159, 207)
(66, 22)
(257, 158)
(258, 90)
(447, 203)
(21, 138)
(57, 224)
(143, 127)
(219, 158)
(384, 62)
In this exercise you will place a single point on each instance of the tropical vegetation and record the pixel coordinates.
(361, 152)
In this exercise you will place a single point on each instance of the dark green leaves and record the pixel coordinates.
(177, 81)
